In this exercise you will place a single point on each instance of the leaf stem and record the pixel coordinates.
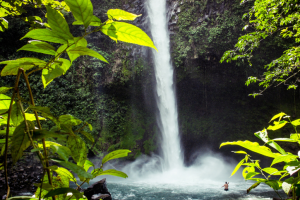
(7, 131)
(40, 127)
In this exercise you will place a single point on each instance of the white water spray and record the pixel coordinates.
(165, 86)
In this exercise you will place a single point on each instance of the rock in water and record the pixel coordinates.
(101, 196)
(97, 189)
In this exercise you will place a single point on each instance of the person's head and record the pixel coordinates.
(225, 182)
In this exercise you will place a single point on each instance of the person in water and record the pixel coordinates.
(226, 186)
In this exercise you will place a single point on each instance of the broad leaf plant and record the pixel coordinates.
(287, 178)
(24, 126)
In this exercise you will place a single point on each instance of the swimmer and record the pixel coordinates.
(226, 186)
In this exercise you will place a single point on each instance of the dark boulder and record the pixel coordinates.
(97, 189)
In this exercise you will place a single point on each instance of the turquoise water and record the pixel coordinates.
(184, 191)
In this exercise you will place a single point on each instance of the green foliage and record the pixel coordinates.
(63, 140)
(292, 165)
(270, 18)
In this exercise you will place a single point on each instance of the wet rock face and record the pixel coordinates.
(22, 175)
(97, 191)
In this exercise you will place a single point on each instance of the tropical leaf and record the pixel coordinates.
(16, 115)
(273, 184)
(125, 32)
(38, 47)
(20, 141)
(284, 140)
(82, 10)
(272, 171)
(45, 111)
(240, 152)
(75, 168)
(253, 186)
(3, 90)
(280, 115)
(277, 126)
(79, 42)
(78, 149)
(111, 172)
(4, 103)
(69, 120)
(31, 117)
(296, 122)
(121, 15)
(90, 126)
(12, 66)
(263, 135)
(86, 51)
(88, 136)
(65, 173)
(87, 165)
(115, 154)
(284, 158)
(251, 174)
(60, 191)
(237, 167)
(248, 170)
(94, 22)
(63, 152)
(253, 146)
(55, 71)
(58, 24)
(43, 133)
(45, 35)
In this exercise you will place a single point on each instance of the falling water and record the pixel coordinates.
(165, 86)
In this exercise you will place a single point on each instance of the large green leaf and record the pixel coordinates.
(296, 122)
(38, 47)
(127, 33)
(284, 158)
(12, 66)
(115, 154)
(31, 117)
(86, 51)
(16, 115)
(88, 136)
(20, 141)
(65, 173)
(55, 70)
(82, 10)
(45, 35)
(280, 115)
(87, 165)
(251, 174)
(58, 24)
(272, 171)
(247, 170)
(253, 186)
(111, 172)
(78, 149)
(45, 111)
(273, 184)
(295, 136)
(60, 191)
(237, 167)
(4, 103)
(69, 120)
(75, 168)
(121, 15)
(94, 22)
(3, 90)
(263, 135)
(80, 42)
(277, 125)
(62, 151)
(253, 146)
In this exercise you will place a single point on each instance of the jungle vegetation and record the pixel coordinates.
(63, 141)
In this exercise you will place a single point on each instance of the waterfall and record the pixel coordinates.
(165, 88)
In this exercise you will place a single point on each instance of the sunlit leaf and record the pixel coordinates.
(66, 173)
(94, 22)
(59, 191)
(38, 47)
(127, 33)
(253, 146)
(277, 126)
(86, 51)
(253, 186)
(251, 174)
(82, 10)
(111, 172)
(3, 90)
(69, 120)
(78, 149)
(116, 154)
(237, 167)
(45, 111)
(263, 135)
(280, 115)
(45, 35)
(87, 165)
(284, 158)
(121, 15)
(58, 24)
(296, 122)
